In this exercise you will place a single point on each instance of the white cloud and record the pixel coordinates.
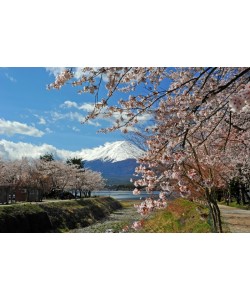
(12, 79)
(69, 104)
(74, 128)
(88, 107)
(14, 127)
(96, 124)
(11, 150)
(42, 121)
(78, 72)
(48, 130)
(73, 116)
(55, 70)
(141, 119)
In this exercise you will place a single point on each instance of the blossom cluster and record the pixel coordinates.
(61, 79)
(137, 225)
(201, 124)
(149, 205)
(48, 175)
(241, 101)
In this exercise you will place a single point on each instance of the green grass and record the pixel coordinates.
(180, 216)
(129, 203)
(55, 216)
(236, 205)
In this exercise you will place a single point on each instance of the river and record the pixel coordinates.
(123, 195)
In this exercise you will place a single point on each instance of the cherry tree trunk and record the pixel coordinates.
(215, 212)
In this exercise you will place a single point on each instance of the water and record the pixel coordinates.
(123, 195)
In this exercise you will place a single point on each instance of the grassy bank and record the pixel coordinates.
(236, 205)
(180, 216)
(58, 216)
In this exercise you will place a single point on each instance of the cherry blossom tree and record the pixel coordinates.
(90, 181)
(48, 175)
(55, 175)
(19, 174)
(201, 124)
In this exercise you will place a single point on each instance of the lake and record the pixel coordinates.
(123, 195)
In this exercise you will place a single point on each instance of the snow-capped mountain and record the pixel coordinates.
(117, 151)
(116, 161)
(113, 152)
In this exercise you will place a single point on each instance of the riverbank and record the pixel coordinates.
(57, 216)
(180, 216)
(115, 222)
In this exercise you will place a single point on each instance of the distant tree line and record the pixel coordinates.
(53, 178)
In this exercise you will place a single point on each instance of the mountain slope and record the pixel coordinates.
(114, 152)
(115, 172)
(116, 161)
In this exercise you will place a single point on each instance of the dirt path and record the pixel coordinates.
(113, 224)
(237, 220)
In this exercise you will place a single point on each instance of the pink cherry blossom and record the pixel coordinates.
(200, 134)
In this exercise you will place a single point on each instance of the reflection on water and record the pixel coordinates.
(124, 195)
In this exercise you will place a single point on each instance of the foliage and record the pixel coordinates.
(236, 205)
(75, 161)
(47, 157)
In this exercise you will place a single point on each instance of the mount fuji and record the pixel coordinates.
(116, 161)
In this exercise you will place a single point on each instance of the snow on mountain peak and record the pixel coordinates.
(116, 151)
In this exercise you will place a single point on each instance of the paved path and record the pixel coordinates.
(237, 220)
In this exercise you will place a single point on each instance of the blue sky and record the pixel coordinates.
(32, 114)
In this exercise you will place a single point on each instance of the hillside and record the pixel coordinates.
(116, 161)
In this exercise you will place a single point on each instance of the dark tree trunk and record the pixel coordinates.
(28, 195)
(229, 196)
(242, 195)
(247, 196)
(237, 193)
(215, 211)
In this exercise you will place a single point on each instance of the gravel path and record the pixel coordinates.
(237, 220)
(113, 224)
